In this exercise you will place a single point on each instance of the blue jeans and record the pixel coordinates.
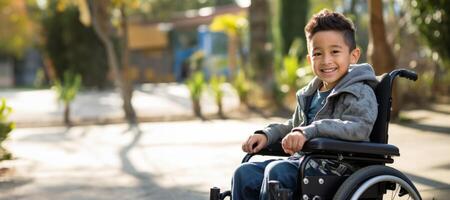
(250, 180)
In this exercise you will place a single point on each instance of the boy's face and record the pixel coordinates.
(330, 57)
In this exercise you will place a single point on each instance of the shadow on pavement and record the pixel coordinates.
(15, 183)
(82, 191)
(152, 189)
(429, 182)
(444, 166)
(185, 103)
(426, 127)
(48, 137)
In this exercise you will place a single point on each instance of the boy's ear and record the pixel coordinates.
(354, 55)
(308, 58)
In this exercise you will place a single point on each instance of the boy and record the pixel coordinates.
(338, 103)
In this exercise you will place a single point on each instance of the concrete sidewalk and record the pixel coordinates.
(177, 160)
(152, 102)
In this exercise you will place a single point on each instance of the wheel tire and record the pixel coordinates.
(370, 174)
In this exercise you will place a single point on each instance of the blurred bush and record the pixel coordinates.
(216, 82)
(196, 85)
(5, 128)
(242, 86)
(292, 76)
(66, 92)
(73, 46)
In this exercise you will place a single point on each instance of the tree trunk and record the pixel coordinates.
(261, 57)
(67, 121)
(232, 53)
(379, 52)
(127, 93)
(197, 108)
(220, 108)
(101, 24)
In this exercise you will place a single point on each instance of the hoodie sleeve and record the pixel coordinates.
(356, 122)
(276, 131)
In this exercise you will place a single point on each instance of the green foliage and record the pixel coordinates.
(232, 24)
(196, 85)
(68, 89)
(293, 74)
(15, 25)
(242, 86)
(5, 128)
(216, 82)
(73, 46)
(196, 60)
(165, 9)
(432, 20)
(292, 23)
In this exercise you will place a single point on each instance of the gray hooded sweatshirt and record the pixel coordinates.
(348, 113)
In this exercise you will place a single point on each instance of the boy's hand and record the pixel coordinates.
(293, 142)
(254, 143)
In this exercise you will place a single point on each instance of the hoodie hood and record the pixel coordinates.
(358, 73)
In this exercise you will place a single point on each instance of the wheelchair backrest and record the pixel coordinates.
(382, 91)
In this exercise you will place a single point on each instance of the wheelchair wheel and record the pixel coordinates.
(397, 185)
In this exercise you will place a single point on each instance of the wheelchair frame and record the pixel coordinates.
(366, 154)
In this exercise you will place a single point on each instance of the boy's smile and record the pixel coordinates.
(330, 57)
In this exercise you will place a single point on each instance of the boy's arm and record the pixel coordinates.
(356, 123)
(276, 131)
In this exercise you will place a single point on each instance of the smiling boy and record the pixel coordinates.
(338, 103)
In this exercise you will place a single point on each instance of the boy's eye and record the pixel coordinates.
(317, 54)
(335, 51)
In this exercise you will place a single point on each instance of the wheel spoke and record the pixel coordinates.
(395, 191)
(394, 181)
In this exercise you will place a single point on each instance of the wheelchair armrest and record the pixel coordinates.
(274, 149)
(331, 146)
(341, 146)
(271, 150)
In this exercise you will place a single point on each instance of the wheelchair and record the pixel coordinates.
(372, 179)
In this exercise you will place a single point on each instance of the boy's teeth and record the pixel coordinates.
(328, 70)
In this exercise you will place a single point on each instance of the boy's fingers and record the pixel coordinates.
(246, 145)
(286, 147)
(257, 148)
(295, 143)
(249, 145)
(288, 152)
(283, 144)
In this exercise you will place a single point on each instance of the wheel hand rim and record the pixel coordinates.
(383, 178)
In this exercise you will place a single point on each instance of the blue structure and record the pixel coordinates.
(212, 44)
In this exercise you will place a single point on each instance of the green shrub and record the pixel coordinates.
(293, 75)
(196, 84)
(242, 86)
(67, 91)
(72, 46)
(216, 84)
(5, 128)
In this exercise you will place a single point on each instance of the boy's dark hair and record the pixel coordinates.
(326, 20)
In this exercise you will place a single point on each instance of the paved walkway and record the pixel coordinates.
(177, 160)
(152, 102)
(168, 160)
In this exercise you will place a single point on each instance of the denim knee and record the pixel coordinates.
(246, 183)
(283, 171)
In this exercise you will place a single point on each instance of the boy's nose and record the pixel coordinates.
(327, 58)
